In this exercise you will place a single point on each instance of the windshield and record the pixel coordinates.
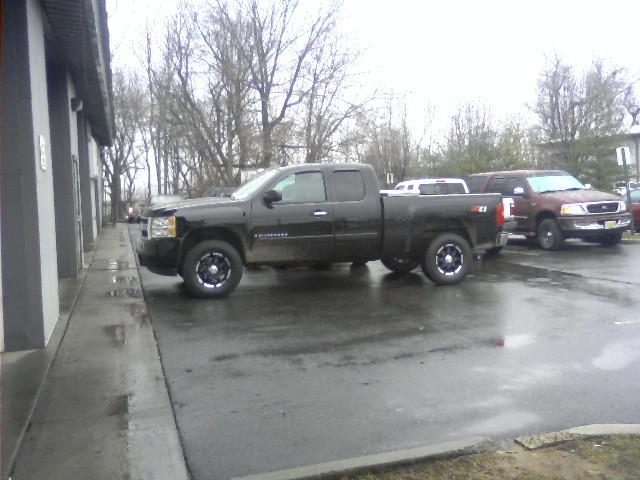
(254, 185)
(554, 183)
(635, 196)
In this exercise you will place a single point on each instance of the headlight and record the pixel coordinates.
(573, 209)
(622, 207)
(162, 227)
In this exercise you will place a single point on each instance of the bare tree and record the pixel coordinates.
(471, 143)
(328, 79)
(276, 45)
(121, 163)
(581, 117)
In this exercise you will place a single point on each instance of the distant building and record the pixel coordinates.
(551, 154)
(56, 113)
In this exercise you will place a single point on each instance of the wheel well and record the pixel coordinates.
(200, 235)
(543, 216)
(430, 235)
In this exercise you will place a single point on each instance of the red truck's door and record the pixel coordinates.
(523, 204)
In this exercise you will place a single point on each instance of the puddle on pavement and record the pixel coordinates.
(117, 334)
(184, 323)
(139, 311)
(272, 328)
(119, 406)
(118, 265)
(118, 279)
(125, 292)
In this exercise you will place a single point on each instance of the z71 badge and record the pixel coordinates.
(479, 208)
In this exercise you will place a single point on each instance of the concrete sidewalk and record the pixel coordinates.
(93, 404)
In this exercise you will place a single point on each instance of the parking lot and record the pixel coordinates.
(302, 366)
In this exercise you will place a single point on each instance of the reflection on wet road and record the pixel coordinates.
(302, 366)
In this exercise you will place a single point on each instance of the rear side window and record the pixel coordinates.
(441, 188)
(475, 183)
(349, 185)
(497, 185)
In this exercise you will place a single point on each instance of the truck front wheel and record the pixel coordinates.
(212, 269)
(611, 240)
(400, 264)
(447, 259)
(550, 236)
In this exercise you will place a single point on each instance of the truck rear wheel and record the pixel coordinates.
(400, 264)
(212, 269)
(447, 259)
(550, 236)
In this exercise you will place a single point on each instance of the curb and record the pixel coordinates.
(357, 465)
(372, 463)
(548, 439)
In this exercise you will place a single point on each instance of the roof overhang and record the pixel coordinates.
(81, 36)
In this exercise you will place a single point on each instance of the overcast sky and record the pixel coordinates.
(447, 52)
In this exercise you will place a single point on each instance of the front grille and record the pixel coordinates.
(605, 207)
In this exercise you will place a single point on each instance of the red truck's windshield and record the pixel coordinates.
(554, 183)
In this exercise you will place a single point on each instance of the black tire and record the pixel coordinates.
(447, 259)
(493, 251)
(550, 236)
(611, 240)
(212, 269)
(359, 263)
(400, 264)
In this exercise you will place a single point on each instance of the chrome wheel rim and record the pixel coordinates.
(449, 259)
(213, 270)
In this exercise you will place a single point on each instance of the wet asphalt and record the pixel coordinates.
(302, 366)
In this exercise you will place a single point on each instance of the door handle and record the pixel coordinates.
(320, 213)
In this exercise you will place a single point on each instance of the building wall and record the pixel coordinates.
(87, 203)
(64, 152)
(29, 269)
(94, 175)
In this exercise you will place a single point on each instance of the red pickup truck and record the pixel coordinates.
(552, 205)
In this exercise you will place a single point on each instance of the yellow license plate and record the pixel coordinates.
(610, 224)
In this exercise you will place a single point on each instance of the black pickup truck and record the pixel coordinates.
(317, 213)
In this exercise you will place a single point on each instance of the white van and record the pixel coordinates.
(432, 186)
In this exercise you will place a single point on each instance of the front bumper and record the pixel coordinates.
(159, 255)
(589, 227)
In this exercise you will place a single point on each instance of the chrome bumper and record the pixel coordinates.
(501, 239)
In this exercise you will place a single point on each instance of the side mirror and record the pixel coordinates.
(271, 196)
(588, 186)
(518, 191)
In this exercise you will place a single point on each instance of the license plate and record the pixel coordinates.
(610, 224)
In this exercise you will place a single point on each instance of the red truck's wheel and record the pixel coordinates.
(212, 269)
(611, 240)
(400, 264)
(447, 259)
(550, 236)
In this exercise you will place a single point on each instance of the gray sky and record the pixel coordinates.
(446, 52)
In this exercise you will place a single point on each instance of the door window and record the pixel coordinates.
(305, 187)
